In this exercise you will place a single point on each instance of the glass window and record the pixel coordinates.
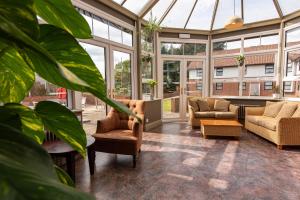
(115, 33)
(219, 86)
(202, 15)
(184, 7)
(199, 86)
(225, 67)
(268, 85)
(226, 89)
(289, 6)
(194, 49)
(88, 18)
(158, 10)
(261, 43)
(127, 37)
(100, 27)
(226, 47)
(292, 37)
(260, 65)
(177, 49)
(219, 71)
(134, 6)
(269, 69)
(199, 72)
(292, 88)
(166, 48)
(244, 86)
(293, 63)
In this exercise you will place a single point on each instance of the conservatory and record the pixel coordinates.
(214, 89)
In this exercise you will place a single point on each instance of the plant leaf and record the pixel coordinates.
(27, 170)
(31, 125)
(63, 14)
(22, 14)
(63, 176)
(63, 123)
(16, 77)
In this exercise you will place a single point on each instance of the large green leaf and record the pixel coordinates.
(27, 171)
(63, 123)
(63, 176)
(22, 14)
(31, 124)
(63, 14)
(16, 77)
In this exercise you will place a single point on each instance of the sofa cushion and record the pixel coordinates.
(221, 105)
(272, 109)
(224, 115)
(203, 105)
(287, 110)
(194, 104)
(268, 122)
(211, 103)
(297, 112)
(204, 114)
(253, 119)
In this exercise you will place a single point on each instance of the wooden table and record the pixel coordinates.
(220, 127)
(61, 149)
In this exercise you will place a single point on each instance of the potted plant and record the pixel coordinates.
(240, 60)
(147, 58)
(276, 92)
(152, 83)
(150, 28)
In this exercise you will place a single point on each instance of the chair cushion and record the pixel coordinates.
(224, 115)
(204, 114)
(297, 112)
(272, 109)
(203, 105)
(118, 134)
(268, 122)
(221, 105)
(194, 104)
(287, 110)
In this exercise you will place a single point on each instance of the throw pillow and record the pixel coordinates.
(297, 112)
(272, 109)
(203, 105)
(193, 103)
(221, 105)
(287, 110)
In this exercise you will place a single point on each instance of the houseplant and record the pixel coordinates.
(151, 26)
(152, 83)
(240, 60)
(51, 51)
(276, 91)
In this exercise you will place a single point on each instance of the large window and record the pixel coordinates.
(168, 48)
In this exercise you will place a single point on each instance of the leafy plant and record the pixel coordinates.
(51, 51)
(147, 58)
(150, 28)
(240, 59)
(152, 83)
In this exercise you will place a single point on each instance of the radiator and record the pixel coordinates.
(242, 110)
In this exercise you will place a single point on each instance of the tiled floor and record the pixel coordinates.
(177, 163)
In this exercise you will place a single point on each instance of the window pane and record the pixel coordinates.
(255, 10)
(147, 74)
(291, 88)
(135, 6)
(189, 49)
(194, 82)
(289, 6)
(293, 63)
(166, 48)
(200, 49)
(293, 37)
(100, 27)
(226, 47)
(202, 15)
(158, 10)
(177, 49)
(258, 88)
(88, 18)
(115, 33)
(173, 19)
(127, 37)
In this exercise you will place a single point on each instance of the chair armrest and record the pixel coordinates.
(234, 109)
(254, 111)
(289, 131)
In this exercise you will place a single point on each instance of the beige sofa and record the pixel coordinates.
(277, 123)
(195, 114)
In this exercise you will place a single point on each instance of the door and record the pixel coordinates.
(182, 78)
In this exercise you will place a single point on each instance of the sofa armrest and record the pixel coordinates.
(234, 109)
(289, 131)
(254, 111)
(191, 111)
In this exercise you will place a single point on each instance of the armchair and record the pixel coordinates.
(119, 133)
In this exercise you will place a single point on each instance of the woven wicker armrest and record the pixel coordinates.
(289, 131)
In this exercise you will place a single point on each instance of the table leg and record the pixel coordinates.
(70, 159)
(91, 157)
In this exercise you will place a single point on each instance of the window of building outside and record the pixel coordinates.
(269, 69)
(291, 84)
(199, 86)
(219, 86)
(268, 85)
(172, 48)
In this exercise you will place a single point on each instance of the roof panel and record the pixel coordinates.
(202, 15)
(258, 10)
(289, 6)
(179, 14)
(135, 6)
(158, 10)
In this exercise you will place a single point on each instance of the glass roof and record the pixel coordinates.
(208, 14)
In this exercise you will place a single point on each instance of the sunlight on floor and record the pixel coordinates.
(218, 183)
(187, 178)
(194, 162)
(226, 163)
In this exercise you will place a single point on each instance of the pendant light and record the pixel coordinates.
(234, 21)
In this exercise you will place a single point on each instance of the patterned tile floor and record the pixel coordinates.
(177, 163)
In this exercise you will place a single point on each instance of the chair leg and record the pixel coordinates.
(134, 160)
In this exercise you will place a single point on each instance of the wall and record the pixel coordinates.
(228, 72)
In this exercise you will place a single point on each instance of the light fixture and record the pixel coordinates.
(234, 21)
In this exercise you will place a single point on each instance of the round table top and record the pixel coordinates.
(59, 147)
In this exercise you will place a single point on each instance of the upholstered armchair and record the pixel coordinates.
(119, 133)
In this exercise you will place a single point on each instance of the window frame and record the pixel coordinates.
(267, 86)
(219, 86)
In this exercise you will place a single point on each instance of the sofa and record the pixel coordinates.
(200, 108)
(278, 122)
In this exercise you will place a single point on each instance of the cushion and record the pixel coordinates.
(297, 112)
(268, 122)
(211, 103)
(253, 119)
(204, 114)
(203, 105)
(221, 105)
(194, 104)
(272, 109)
(287, 110)
(224, 115)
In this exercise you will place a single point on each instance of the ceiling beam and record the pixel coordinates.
(188, 19)
(147, 8)
(279, 11)
(291, 16)
(123, 2)
(119, 8)
(214, 15)
(167, 11)
(242, 9)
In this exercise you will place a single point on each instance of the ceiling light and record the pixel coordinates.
(234, 21)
